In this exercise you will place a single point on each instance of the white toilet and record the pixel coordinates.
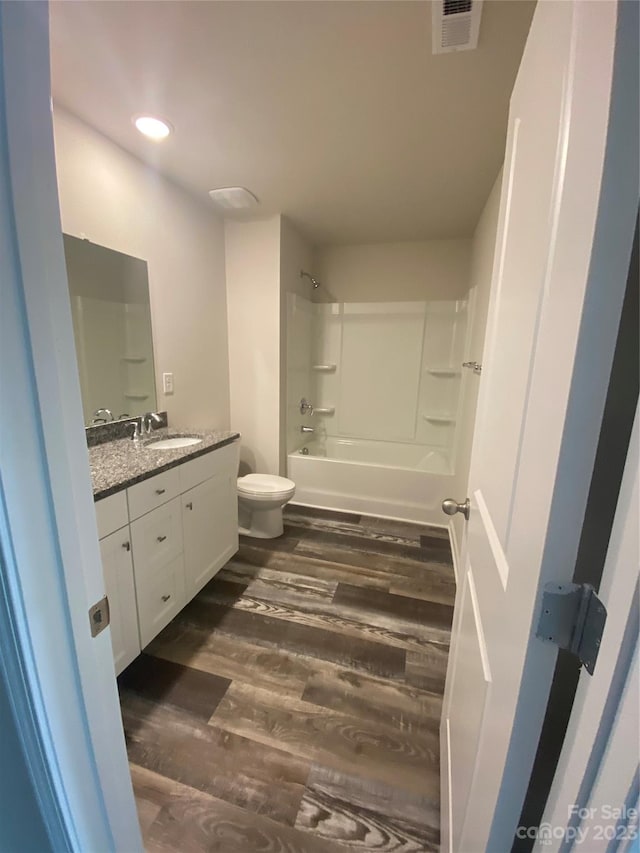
(261, 498)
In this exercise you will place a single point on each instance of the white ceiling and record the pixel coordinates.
(334, 113)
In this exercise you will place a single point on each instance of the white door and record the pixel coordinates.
(558, 281)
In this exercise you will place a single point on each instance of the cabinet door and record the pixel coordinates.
(160, 592)
(117, 567)
(210, 522)
(158, 568)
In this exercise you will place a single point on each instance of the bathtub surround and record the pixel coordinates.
(381, 446)
(114, 200)
(311, 669)
(384, 379)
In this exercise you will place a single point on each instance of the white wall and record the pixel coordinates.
(116, 201)
(482, 256)
(263, 262)
(252, 252)
(383, 272)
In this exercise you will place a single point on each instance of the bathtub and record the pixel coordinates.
(388, 479)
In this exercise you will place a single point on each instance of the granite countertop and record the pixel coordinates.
(115, 465)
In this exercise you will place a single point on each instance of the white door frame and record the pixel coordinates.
(66, 702)
(589, 760)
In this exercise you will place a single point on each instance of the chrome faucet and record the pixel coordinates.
(96, 419)
(146, 420)
(306, 408)
(137, 425)
(306, 429)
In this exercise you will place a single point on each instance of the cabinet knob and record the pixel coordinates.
(166, 597)
(189, 505)
(126, 546)
(161, 538)
(160, 491)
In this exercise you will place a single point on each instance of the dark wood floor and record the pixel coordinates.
(293, 706)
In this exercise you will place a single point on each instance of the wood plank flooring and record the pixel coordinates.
(294, 705)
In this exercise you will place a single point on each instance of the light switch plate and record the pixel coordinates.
(167, 383)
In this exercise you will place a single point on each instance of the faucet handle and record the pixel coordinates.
(306, 408)
(146, 419)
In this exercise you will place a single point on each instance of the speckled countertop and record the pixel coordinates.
(115, 465)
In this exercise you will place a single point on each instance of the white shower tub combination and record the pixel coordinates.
(375, 387)
(383, 478)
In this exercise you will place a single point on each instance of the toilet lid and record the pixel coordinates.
(264, 484)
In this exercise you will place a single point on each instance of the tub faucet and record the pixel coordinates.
(306, 429)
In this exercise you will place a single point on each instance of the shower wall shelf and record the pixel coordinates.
(439, 419)
(443, 371)
(134, 395)
(134, 358)
(327, 410)
(323, 368)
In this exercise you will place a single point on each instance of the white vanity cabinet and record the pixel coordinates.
(161, 540)
(117, 567)
(158, 568)
(112, 517)
(210, 520)
(209, 515)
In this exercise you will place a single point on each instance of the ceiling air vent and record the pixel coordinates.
(456, 24)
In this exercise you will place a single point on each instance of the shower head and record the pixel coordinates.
(314, 281)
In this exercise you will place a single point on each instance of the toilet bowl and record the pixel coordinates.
(261, 498)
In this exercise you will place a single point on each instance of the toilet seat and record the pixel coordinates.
(266, 486)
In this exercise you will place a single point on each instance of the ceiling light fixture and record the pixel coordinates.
(153, 128)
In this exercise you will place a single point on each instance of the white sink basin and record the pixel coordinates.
(174, 443)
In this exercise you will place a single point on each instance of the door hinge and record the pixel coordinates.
(99, 616)
(573, 617)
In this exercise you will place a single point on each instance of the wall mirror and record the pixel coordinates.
(109, 294)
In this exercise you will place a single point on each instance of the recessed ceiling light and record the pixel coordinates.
(153, 128)
(233, 198)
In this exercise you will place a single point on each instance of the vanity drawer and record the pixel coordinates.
(157, 536)
(151, 493)
(208, 465)
(160, 595)
(111, 513)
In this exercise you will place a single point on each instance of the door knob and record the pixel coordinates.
(451, 507)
